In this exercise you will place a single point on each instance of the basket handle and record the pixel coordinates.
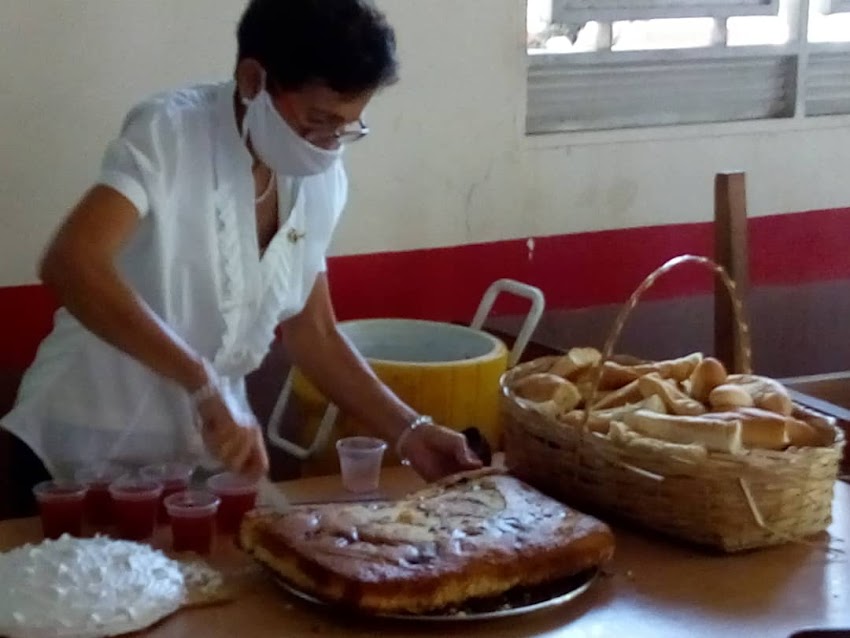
(745, 350)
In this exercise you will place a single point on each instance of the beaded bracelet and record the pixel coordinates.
(415, 423)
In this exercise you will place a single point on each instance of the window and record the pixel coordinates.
(834, 6)
(607, 64)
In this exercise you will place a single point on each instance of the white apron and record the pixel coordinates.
(195, 261)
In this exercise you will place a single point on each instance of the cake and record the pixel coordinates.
(476, 535)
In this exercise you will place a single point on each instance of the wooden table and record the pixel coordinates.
(655, 589)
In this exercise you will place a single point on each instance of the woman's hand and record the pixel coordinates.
(233, 438)
(435, 452)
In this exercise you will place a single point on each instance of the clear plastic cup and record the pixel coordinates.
(360, 460)
(175, 477)
(135, 502)
(192, 515)
(97, 478)
(61, 505)
(238, 497)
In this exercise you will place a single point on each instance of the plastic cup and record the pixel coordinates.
(61, 505)
(192, 515)
(238, 496)
(360, 460)
(98, 507)
(135, 501)
(175, 477)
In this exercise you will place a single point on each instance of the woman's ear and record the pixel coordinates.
(249, 78)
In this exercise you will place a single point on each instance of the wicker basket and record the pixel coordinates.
(728, 502)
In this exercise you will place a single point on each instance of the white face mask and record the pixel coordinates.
(277, 144)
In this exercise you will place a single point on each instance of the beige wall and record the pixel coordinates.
(447, 164)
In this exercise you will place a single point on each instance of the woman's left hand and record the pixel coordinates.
(435, 452)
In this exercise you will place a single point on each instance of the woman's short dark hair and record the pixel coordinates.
(345, 44)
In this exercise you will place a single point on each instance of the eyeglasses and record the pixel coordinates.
(346, 135)
(352, 133)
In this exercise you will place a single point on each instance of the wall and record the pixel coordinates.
(447, 165)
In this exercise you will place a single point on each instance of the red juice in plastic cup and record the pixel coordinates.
(238, 496)
(61, 505)
(175, 477)
(135, 502)
(98, 501)
(192, 515)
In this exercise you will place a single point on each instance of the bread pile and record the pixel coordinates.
(689, 405)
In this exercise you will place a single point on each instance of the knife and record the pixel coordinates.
(272, 496)
(479, 445)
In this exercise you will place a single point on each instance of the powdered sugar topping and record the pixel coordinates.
(86, 588)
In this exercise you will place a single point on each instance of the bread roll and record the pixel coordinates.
(575, 361)
(547, 393)
(763, 429)
(824, 426)
(801, 434)
(584, 389)
(767, 394)
(614, 376)
(715, 434)
(759, 428)
(621, 433)
(575, 418)
(729, 397)
(677, 402)
(707, 375)
(541, 386)
(627, 394)
(654, 404)
(678, 369)
(600, 419)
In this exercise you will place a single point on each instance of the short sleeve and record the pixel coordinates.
(133, 162)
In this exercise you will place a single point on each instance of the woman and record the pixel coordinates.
(206, 231)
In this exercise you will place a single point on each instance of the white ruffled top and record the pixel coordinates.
(194, 259)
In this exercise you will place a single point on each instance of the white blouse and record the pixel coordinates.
(195, 261)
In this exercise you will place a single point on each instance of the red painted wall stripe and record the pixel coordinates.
(574, 271)
(27, 316)
(584, 269)
(800, 248)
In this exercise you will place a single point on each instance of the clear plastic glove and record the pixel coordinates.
(435, 452)
(233, 437)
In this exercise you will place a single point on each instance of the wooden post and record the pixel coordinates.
(731, 252)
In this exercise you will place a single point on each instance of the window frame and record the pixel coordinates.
(828, 7)
(584, 10)
(813, 82)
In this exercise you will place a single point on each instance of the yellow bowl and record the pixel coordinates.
(448, 371)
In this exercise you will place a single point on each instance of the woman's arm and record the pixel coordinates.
(338, 370)
(327, 358)
(79, 266)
